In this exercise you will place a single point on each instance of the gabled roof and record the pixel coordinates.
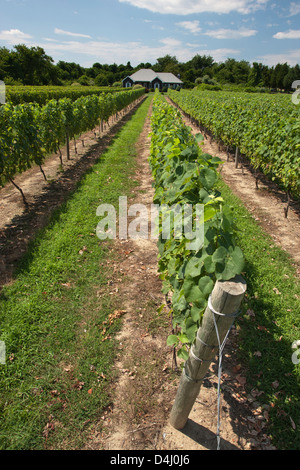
(143, 75)
(169, 78)
(148, 75)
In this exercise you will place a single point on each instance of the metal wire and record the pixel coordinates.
(221, 348)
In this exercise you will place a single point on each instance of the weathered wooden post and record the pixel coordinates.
(237, 154)
(223, 307)
(68, 145)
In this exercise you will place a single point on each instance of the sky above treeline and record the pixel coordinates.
(118, 31)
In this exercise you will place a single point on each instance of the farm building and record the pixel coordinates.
(150, 79)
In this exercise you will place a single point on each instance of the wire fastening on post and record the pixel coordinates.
(221, 348)
(234, 315)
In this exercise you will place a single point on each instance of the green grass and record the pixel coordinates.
(56, 380)
(269, 325)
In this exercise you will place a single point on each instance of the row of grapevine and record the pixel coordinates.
(266, 129)
(29, 132)
(43, 94)
(186, 176)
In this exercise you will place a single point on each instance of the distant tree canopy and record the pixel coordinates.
(32, 66)
(29, 66)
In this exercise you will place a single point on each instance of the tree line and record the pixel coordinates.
(24, 65)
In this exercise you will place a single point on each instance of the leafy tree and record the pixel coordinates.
(32, 66)
(255, 75)
(101, 80)
(163, 64)
(105, 79)
(199, 62)
(4, 62)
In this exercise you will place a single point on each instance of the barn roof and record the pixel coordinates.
(169, 78)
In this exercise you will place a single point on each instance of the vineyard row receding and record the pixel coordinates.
(43, 94)
(30, 132)
(265, 129)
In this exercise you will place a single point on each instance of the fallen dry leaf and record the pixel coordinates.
(292, 423)
(47, 429)
(66, 284)
(78, 385)
(257, 354)
(241, 380)
(256, 393)
(262, 328)
(275, 384)
(250, 313)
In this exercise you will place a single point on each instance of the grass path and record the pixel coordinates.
(269, 326)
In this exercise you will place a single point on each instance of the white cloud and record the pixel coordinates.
(14, 36)
(294, 8)
(191, 26)
(170, 42)
(220, 55)
(50, 40)
(68, 33)
(189, 7)
(291, 57)
(223, 33)
(158, 28)
(291, 34)
(135, 52)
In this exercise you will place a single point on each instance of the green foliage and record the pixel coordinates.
(264, 127)
(208, 86)
(29, 132)
(42, 94)
(184, 175)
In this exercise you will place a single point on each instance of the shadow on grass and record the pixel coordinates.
(267, 331)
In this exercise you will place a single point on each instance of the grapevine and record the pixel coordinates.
(30, 132)
(184, 175)
(266, 129)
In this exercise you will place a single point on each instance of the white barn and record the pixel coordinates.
(150, 79)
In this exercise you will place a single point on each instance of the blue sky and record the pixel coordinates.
(118, 31)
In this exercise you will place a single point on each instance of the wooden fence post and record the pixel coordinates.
(68, 145)
(223, 307)
(237, 154)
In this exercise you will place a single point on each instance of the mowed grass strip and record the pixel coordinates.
(268, 328)
(57, 377)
